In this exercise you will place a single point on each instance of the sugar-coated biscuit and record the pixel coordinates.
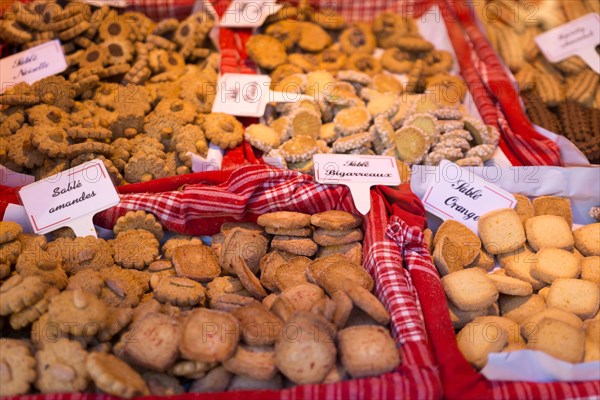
(549, 231)
(587, 239)
(524, 208)
(553, 205)
(529, 327)
(560, 340)
(579, 296)
(501, 231)
(553, 263)
(590, 269)
(518, 308)
(512, 286)
(477, 340)
(470, 289)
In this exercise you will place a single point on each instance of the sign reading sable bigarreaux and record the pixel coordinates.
(68, 196)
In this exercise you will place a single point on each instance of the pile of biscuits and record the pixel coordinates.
(379, 89)
(527, 281)
(130, 317)
(562, 97)
(136, 93)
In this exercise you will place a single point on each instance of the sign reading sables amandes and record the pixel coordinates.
(70, 198)
(357, 172)
(458, 194)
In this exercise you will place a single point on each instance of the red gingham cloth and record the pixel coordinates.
(459, 379)
(199, 208)
(494, 93)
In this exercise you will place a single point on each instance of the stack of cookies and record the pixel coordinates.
(528, 280)
(131, 317)
(404, 104)
(562, 97)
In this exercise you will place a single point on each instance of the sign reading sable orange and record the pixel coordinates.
(70, 198)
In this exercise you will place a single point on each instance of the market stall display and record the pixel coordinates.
(376, 88)
(562, 97)
(134, 95)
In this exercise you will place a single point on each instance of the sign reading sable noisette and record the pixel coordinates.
(358, 172)
(70, 198)
(459, 194)
(32, 65)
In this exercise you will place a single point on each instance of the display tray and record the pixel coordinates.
(202, 205)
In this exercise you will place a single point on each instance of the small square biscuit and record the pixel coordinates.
(524, 208)
(529, 327)
(470, 289)
(592, 329)
(447, 256)
(580, 297)
(559, 339)
(461, 235)
(549, 231)
(518, 308)
(553, 205)
(501, 231)
(592, 351)
(484, 260)
(477, 340)
(508, 285)
(522, 254)
(555, 263)
(460, 318)
(587, 239)
(590, 269)
(520, 268)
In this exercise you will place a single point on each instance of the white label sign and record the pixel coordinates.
(70, 198)
(459, 194)
(32, 65)
(357, 172)
(246, 95)
(212, 162)
(248, 13)
(578, 37)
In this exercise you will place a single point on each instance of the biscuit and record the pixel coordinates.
(17, 366)
(367, 351)
(292, 273)
(253, 362)
(335, 220)
(295, 245)
(326, 237)
(480, 338)
(578, 296)
(587, 239)
(553, 264)
(470, 289)
(303, 296)
(590, 269)
(524, 253)
(518, 308)
(511, 286)
(559, 339)
(484, 260)
(197, 262)
(501, 231)
(524, 208)
(284, 219)
(61, 367)
(258, 326)
(9, 231)
(156, 344)
(114, 376)
(468, 241)
(530, 326)
(460, 318)
(267, 51)
(366, 301)
(218, 346)
(592, 351)
(549, 231)
(447, 256)
(553, 205)
(310, 357)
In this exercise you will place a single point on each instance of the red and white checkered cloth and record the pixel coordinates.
(459, 379)
(200, 207)
(495, 96)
